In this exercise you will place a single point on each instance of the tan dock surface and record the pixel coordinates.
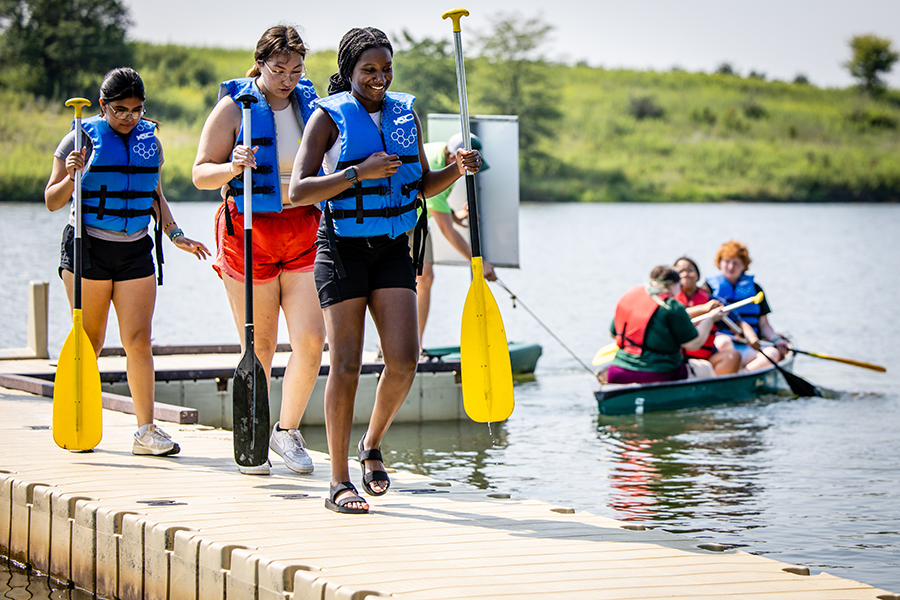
(192, 527)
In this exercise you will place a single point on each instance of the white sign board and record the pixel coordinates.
(497, 189)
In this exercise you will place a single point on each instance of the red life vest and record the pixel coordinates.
(708, 348)
(633, 313)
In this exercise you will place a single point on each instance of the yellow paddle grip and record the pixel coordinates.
(78, 103)
(456, 14)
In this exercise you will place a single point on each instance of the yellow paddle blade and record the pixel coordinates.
(605, 354)
(484, 357)
(77, 403)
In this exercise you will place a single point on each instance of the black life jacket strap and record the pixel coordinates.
(258, 190)
(420, 234)
(158, 237)
(386, 212)
(126, 169)
(332, 242)
(103, 192)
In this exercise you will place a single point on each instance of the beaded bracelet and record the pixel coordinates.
(175, 233)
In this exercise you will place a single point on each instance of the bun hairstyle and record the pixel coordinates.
(120, 84)
(353, 44)
(277, 40)
(664, 276)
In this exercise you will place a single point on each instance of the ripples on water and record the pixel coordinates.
(809, 481)
(17, 583)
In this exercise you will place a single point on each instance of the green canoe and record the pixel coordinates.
(635, 398)
(522, 357)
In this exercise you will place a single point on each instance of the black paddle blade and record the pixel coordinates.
(800, 386)
(251, 412)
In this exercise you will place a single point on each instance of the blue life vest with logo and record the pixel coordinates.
(374, 207)
(730, 293)
(266, 177)
(119, 183)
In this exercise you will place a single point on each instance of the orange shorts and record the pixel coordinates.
(283, 242)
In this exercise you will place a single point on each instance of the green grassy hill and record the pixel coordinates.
(624, 136)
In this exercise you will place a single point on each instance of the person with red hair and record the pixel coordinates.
(733, 284)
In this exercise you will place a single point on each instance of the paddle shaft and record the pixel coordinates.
(754, 300)
(472, 199)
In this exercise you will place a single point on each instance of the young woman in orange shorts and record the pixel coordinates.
(284, 236)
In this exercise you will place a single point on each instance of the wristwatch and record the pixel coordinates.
(350, 174)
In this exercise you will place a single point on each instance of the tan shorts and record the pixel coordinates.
(699, 368)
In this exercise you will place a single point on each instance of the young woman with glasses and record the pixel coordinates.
(283, 235)
(120, 159)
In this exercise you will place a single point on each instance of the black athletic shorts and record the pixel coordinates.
(103, 260)
(370, 263)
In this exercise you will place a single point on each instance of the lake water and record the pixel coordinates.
(808, 481)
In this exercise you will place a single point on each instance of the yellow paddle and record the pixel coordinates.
(77, 401)
(484, 354)
(608, 352)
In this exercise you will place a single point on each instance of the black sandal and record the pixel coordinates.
(374, 454)
(341, 505)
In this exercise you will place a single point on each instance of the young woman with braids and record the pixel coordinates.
(367, 142)
(121, 159)
(283, 235)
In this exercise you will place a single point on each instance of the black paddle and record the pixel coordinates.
(251, 393)
(798, 385)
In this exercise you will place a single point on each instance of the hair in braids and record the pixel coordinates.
(277, 40)
(353, 44)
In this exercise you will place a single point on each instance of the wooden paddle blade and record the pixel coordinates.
(77, 399)
(251, 412)
(484, 358)
(605, 354)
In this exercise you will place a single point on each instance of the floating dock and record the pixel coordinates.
(191, 527)
(199, 379)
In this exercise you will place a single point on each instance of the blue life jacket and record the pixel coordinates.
(374, 207)
(729, 293)
(119, 184)
(266, 177)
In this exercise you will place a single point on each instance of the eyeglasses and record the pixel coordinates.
(128, 115)
(282, 75)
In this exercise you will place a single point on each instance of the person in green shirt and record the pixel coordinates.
(651, 328)
(440, 154)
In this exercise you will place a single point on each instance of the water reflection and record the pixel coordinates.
(17, 583)
(676, 467)
(453, 450)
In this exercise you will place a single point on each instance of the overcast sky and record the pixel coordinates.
(780, 38)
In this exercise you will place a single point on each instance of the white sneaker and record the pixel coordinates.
(290, 445)
(152, 440)
(262, 469)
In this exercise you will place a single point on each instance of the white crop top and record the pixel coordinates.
(287, 134)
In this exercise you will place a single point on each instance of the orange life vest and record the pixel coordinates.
(708, 348)
(633, 313)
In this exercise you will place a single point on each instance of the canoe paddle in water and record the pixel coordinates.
(251, 392)
(798, 385)
(484, 355)
(77, 400)
(608, 352)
